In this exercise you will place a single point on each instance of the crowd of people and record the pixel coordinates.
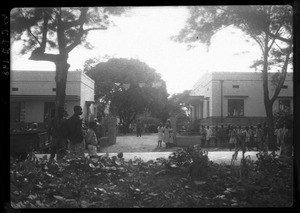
(248, 137)
(69, 134)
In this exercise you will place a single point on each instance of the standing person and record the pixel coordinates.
(281, 136)
(202, 136)
(259, 137)
(288, 140)
(222, 135)
(75, 131)
(208, 135)
(167, 134)
(232, 140)
(139, 129)
(228, 131)
(214, 135)
(91, 139)
(160, 130)
(57, 132)
(251, 137)
(247, 133)
(265, 136)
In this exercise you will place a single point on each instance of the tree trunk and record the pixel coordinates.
(270, 123)
(61, 73)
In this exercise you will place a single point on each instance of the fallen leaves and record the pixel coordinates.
(113, 182)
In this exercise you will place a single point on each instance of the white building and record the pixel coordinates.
(32, 95)
(236, 98)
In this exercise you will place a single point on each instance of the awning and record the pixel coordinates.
(236, 96)
(196, 99)
(41, 98)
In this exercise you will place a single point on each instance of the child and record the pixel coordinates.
(91, 139)
(160, 130)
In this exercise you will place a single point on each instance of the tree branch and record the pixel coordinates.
(79, 21)
(282, 79)
(77, 40)
(275, 38)
(289, 41)
(45, 30)
(38, 55)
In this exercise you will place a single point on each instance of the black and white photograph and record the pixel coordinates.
(152, 107)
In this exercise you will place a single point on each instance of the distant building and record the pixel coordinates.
(32, 95)
(236, 98)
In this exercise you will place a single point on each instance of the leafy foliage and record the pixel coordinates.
(127, 86)
(76, 182)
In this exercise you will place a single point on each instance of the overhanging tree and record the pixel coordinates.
(269, 26)
(60, 30)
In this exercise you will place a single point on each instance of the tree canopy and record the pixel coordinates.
(129, 86)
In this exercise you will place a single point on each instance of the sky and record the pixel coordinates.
(144, 34)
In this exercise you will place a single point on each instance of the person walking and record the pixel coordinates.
(75, 132)
(202, 136)
(160, 130)
(139, 129)
(91, 139)
(56, 131)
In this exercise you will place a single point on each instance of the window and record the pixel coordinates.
(284, 86)
(53, 89)
(285, 106)
(235, 107)
(49, 111)
(15, 112)
(15, 89)
(235, 86)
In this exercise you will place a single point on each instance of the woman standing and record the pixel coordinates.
(160, 130)
(168, 133)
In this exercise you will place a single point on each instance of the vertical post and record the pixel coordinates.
(221, 81)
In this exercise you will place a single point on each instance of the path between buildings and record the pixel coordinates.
(145, 147)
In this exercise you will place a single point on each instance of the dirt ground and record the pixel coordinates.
(131, 143)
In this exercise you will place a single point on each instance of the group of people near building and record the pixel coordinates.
(69, 134)
(248, 137)
(165, 134)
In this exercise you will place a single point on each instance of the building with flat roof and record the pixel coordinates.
(32, 95)
(236, 98)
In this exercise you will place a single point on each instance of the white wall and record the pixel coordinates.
(42, 83)
(250, 84)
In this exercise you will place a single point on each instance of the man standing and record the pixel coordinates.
(208, 135)
(75, 132)
(57, 131)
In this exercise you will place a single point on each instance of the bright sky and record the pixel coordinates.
(145, 35)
